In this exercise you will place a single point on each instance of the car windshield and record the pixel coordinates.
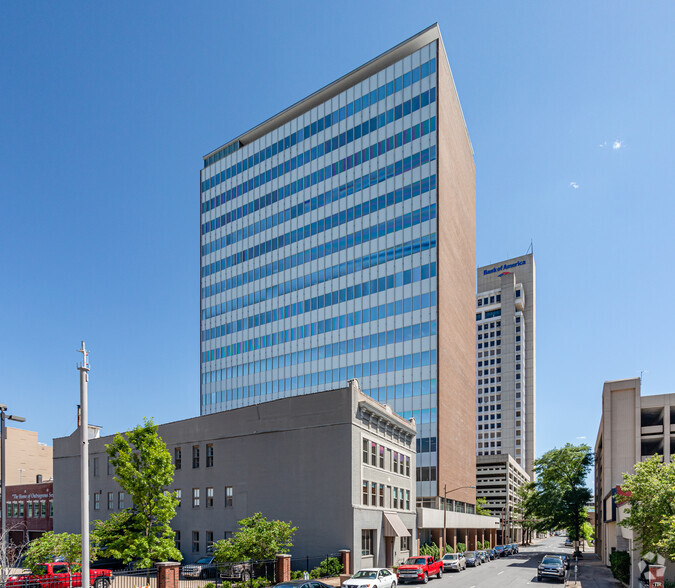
(415, 561)
(469, 554)
(369, 574)
(204, 560)
(551, 561)
(450, 556)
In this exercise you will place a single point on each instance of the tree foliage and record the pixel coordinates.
(649, 494)
(50, 545)
(481, 504)
(143, 469)
(257, 539)
(558, 498)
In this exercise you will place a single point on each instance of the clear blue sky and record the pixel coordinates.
(106, 109)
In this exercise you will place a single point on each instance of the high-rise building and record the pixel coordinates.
(338, 242)
(506, 361)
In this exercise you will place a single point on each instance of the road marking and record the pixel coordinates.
(501, 572)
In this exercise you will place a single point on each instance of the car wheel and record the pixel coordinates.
(245, 577)
(393, 585)
(425, 580)
(440, 573)
(101, 583)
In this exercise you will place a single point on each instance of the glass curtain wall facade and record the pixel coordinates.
(318, 254)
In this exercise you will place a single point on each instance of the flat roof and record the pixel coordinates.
(380, 62)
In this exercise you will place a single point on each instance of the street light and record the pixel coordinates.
(3, 503)
(445, 510)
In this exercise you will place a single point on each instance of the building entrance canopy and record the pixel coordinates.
(393, 526)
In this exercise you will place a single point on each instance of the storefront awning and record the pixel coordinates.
(393, 526)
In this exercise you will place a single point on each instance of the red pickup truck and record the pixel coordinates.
(419, 568)
(55, 575)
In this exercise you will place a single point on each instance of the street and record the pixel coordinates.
(515, 570)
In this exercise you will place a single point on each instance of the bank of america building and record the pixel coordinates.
(338, 242)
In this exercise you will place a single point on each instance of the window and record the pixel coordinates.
(209, 499)
(367, 536)
(195, 541)
(365, 451)
(111, 500)
(373, 453)
(97, 501)
(176, 539)
(209, 455)
(209, 541)
(29, 514)
(373, 494)
(94, 466)
(51, 509)
(43, 509)
(405, 543)
(120, 500)
(195, 456)
(177, 457)
(395, 462)
(109, 468)
(228, 496)
(382, 456)
(395, 497)
(407, 499)
(382, 495)
(365, 493)
(195, 498)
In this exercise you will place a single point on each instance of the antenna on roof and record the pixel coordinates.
(530, 249)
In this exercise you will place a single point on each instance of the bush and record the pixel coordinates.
(486, 545)
(327, 568)
(619, 563)
(430, 549)
(210, 585)
(461, 547)
(296, 575)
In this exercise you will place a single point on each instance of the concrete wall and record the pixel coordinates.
(26, 457)
(456, 293)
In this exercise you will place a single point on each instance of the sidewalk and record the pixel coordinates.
(592, 574)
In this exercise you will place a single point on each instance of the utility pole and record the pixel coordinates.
(84, 464)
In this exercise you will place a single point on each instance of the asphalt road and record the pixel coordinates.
(515, 570)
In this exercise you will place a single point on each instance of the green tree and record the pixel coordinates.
(143, 469)
(526, 511)
(481, 504)
(257, 539)
(51, 545)
(649, 495)
(561, 493)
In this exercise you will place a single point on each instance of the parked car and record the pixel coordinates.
(568, 542)
(514, 548)
(419, 568)
(303, 584)
(55, 575)
(472, 558)
(499, 550)
(483, 556)
(372, 577)
(565, 559)
(239, 571)
(551, 567)
(492, 553)
(454, 561)
(204, 567)
(507, 549)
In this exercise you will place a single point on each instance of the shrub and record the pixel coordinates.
(486, 545)
(430, 549)
(461, 547)
(209, 585)
(296, 575)
(619, 563)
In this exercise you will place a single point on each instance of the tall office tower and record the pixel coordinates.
(506, 382)
(338, 242)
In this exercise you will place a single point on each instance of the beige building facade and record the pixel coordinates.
(28, 460)
(506, 370)
(632, 429)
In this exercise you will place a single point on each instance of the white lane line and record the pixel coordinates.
(501, 572)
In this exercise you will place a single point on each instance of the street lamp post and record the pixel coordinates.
(3, 502)
(445, 510)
